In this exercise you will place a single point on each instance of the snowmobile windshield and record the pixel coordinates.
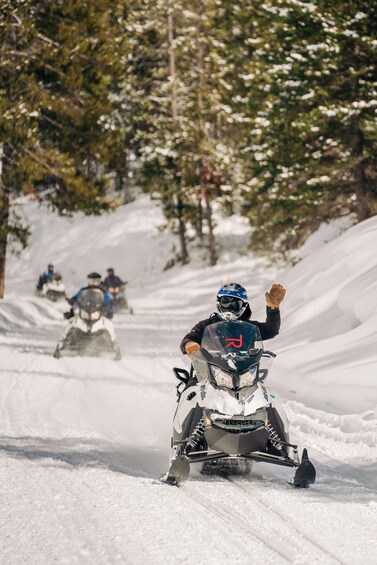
(91, 300)
(233, 345)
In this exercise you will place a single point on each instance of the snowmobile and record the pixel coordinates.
(54, 290)
(225, 417)
(89, 332)
(118, 295)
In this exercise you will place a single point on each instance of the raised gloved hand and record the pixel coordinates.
(191, 346)
(275, 296)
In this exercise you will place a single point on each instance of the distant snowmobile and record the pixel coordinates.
(225, 416)
(89, 332)
(118, 295)
(53, 290)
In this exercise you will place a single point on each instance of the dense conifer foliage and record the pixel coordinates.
(59, 63)
(269, 109)
(314, 151)
(263, 108)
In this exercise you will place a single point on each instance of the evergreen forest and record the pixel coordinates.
(265, 108)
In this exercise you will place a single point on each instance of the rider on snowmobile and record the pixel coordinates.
(112, 280)
(232, 304)
(45, 277)
(94, 281)
(233, 419)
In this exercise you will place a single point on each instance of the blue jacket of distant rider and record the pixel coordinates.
(47, 276)
(108, 308)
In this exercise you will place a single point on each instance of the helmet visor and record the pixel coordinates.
(230, 303)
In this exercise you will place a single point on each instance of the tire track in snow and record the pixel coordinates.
(5, 413)
(89, 527)
(233, 519)
(287, 519)
(61, 519)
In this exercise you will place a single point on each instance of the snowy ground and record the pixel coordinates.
(83, 441)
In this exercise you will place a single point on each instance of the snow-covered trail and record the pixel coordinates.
(83, 442)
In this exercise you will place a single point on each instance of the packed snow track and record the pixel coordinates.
(84, 441)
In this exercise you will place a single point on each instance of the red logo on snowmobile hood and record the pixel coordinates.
(234, 342)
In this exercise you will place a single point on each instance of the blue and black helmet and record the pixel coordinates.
(231, 301)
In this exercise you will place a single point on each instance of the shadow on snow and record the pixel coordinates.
(147, 462)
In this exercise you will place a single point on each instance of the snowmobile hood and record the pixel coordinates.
(233, 346)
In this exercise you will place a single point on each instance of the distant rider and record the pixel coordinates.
(57, 277)
(45, 277)
(94, 281)
(116, 288)
(232, 304)
(112, 280)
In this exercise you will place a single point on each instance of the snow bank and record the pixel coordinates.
(328, 339)
(327, 355)
(93, 435)
(127, 240)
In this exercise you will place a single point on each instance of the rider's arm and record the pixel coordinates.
(269, 328)
(106, 298)
(108, 305)
(195, 334)
(73, 300)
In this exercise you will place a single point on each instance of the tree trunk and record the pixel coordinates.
(201, 134)
(172, 72)
(123, 184)
(184, 256)
(208, 208)
(362, 200)
(363, 208)
(199, 221)
(212, 241)
(4, 216)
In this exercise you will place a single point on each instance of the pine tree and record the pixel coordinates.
(314, 155)
(190, 118)
(59, 64)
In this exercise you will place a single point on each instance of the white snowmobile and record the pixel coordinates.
(53, 290)
(225, 416)
(89, 332)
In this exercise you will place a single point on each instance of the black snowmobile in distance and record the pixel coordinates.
(226, 415)
(89, 332)
(118, 295)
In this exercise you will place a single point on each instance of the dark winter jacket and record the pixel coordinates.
(268, 329)
(112, 282)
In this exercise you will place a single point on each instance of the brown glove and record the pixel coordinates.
(275, 296)
(191, 346)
